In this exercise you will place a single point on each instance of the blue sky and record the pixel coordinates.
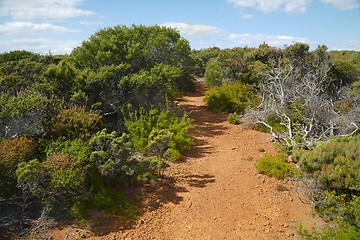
(57, 26)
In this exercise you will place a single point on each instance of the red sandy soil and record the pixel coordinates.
(215, 192)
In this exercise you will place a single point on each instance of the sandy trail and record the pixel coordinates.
(216, 192)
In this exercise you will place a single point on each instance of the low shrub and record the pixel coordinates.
(107, 197)
(155, 131)
(112, 201)
(275, 166)
(16, 150)
(335, 165)
(12, 152)
(345, 211)
(77, 149)
(234, 118)
(74, 123)
(111, 153)
(230, 98)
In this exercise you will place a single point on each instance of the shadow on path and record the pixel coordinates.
(207, 124)
(174, 182)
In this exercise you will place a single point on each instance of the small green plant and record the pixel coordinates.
(234, 118)
(112, 201)
(78, 212)
(249, 158)
(275, 166)
(154, 131)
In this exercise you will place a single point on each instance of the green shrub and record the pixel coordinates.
(161, 77)
(114, 157)
(12, 152)
(335, 165)
(159, 141)
(74, 123)
(77, 149)
(30, 177)
(155, 130)
(149, 168)
(112, 201)
(111, 153)
(213, 73)
(274, 122)
(230, 98)
(78, 211)
(17, 105)
(171, 154)
(66, 179)
(234, 118)
(16, 150)
(344, 211)
(59, 179)
(275, 166)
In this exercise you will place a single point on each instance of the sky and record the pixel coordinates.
(58, 26)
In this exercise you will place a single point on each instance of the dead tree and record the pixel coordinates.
(296, 97)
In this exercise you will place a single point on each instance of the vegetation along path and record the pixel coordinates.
(216, 192)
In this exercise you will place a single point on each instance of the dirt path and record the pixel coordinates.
(216, 193)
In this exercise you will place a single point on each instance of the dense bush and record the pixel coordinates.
(12, 152)
(335, 164)
(16, 150)
(22, 113)
(58, 180)
(213, 73)
(230, 98)
(111, 153)
(158, 131)
(74, 123)
(77, 149)
(275, 166)
(161, 79)
(344, 211)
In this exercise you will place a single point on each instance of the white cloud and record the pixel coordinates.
(23, 28)
(195, 30)
(246, 15)
(41, 18)
(291, 6)
(21, 10)
(204, 36)
(343, 4)
(42, 45)
(89, 23)
(254, 40)
(345, 45)
(267, 6)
